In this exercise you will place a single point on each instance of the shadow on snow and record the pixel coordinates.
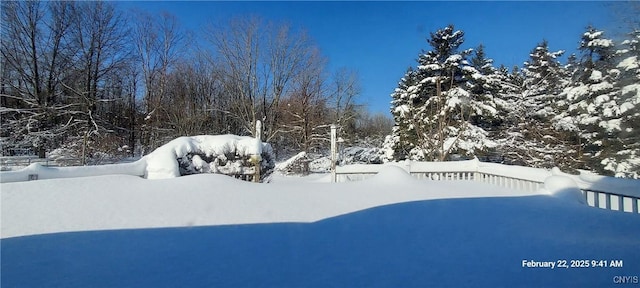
(459, 242)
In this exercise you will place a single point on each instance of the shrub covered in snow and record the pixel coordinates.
(360, 155)
(298, 164)
(224, 154)
(304, 163)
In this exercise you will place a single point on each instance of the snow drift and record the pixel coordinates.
(564, 188)
(127, 202)
(221, 154)
(482, 237)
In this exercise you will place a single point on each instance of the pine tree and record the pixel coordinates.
(516, 78)
(572, 67)
(485, 87)
(510, 139)
(621, 157)
(481, 62)
(403, 136)
(435, 113)
(544, 79)
(590, 100)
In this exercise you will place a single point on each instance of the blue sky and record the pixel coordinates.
(380, 40)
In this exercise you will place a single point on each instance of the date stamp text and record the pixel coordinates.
(571, 263)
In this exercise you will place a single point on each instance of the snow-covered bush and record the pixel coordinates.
(361, 155)
(223, 154)
(304, 163)
(298, 164)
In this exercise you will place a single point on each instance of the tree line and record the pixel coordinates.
(91, 78)
(582, 114)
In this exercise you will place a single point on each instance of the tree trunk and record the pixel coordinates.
(42, 152)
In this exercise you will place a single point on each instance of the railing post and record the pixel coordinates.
(256, 159)
(334, 150)
(476, 169)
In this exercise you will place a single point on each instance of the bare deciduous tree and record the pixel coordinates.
(344, 90)
(76, 75)
(98, 38)
(33, 57)
(158, 43)
(305, 117)
(259, 63)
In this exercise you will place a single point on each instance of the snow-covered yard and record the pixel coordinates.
(107, 226)
(387, 231)
(129, 202)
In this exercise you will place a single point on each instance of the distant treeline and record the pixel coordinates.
(90, 77)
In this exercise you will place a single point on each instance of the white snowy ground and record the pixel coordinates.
(391, 230)
(373, 233)
(127, 202)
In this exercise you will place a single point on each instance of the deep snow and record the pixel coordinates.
(162, 164)
(472, 242)
(390, 230)
(126, 202)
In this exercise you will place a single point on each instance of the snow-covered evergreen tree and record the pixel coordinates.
(433, 111)
(510, 139)
(544, 79)
(403, 137)
(582, 115)
(588, 101)
(572, 67)
(623, 159)
(516, 78)
(486, 87)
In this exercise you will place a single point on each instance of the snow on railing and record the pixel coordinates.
(599, 191)
(510, 182)
(8, 163)
(37, 171)
(607, 192)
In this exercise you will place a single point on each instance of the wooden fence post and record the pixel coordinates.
(256, 159)
(334, 150)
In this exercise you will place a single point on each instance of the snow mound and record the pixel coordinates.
(392, 174)
(564, 188)
(225, 154)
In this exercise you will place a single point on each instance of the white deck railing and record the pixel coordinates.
(610, 193)
(599, 191)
